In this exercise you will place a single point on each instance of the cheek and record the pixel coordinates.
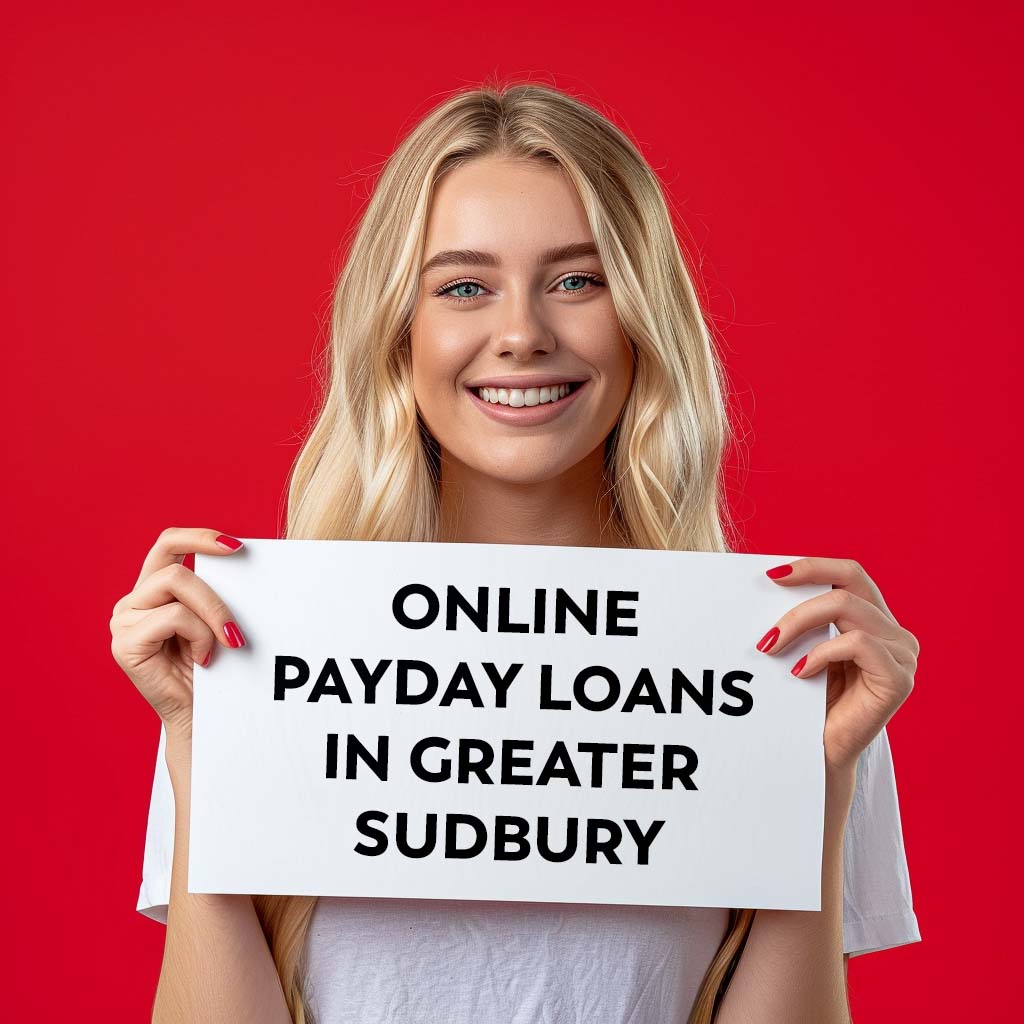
(440, 352)
(598, 338)
(610, 353)
(436, 353)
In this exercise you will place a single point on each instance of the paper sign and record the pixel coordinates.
(505, 722)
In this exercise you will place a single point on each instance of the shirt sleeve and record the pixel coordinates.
(155, 891)
(878, 909)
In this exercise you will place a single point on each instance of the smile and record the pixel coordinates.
(526, 407)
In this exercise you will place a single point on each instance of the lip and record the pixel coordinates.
(524, 381)
(525, 415)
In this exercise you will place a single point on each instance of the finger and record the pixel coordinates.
(176, 583)
(885, 677)
(906, 649)
(842, 573)
(136, 643)
(846, 610)
(176, 542)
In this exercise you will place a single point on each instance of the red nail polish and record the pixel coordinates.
(228, 542)
(798, 667)
(206, 660)
(778, 572)
(234, 634)
(767, 642)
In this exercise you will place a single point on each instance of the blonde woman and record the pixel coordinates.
(518, 356)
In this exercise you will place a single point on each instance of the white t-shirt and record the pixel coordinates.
(402, 961)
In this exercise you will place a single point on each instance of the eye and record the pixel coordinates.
(582, 282)
(455, 292)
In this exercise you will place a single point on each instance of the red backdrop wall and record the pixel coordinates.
(176, 189)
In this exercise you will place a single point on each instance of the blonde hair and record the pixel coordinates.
(369, 469)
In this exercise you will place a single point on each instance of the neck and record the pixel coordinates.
(571, 509)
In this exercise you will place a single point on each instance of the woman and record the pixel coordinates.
(518, 356)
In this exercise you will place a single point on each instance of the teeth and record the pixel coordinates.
(518, 397)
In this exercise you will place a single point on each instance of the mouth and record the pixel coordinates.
(525, 406)
(518, 398)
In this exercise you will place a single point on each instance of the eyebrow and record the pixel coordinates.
(474, 257)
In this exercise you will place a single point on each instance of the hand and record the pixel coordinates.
(169, 621)
(871, 664)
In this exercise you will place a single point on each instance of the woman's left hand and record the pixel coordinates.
(871, 663)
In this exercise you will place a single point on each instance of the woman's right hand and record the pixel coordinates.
(169, 621)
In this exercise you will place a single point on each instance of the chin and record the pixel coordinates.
(521, 468)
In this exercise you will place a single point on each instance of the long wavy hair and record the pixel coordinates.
(369, 469)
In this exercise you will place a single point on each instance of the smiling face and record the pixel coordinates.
(520, 367)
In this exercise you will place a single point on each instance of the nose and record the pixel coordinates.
(521, 333)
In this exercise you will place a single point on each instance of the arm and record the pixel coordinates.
(793, 967)
(217, 966)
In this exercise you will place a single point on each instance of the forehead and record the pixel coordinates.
(513, 208)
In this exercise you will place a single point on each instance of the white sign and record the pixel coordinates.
(481, 721)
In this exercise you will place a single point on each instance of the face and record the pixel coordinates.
(520, 367)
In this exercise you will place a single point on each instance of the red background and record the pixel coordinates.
(177, 188)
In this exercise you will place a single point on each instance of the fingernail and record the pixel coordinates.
(798, 667)
(767, 642)
(234, 634)
(206, 660)
(778, 572)
(228, 542)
